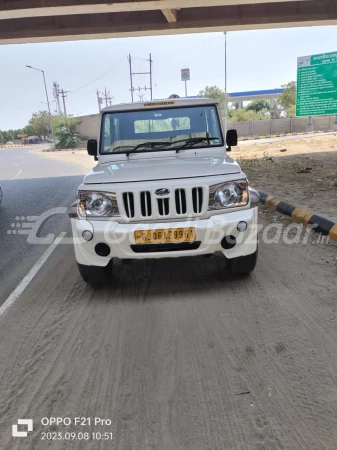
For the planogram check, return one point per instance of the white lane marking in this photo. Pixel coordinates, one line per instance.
(30, 275)
(19, 173)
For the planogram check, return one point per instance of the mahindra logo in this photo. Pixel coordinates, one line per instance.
(162, 191)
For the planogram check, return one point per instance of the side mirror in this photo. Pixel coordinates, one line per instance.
(231, 139)
(92, 148)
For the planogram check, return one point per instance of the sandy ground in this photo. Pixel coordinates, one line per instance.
(178, 354)
(275, 168)
(302, 171)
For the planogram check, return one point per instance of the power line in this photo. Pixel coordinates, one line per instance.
(100, 76)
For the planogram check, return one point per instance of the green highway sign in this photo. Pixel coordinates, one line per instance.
(317, 85)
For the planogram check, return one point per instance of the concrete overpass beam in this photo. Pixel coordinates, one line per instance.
(153, 22)
(16, 9)
(171, 15)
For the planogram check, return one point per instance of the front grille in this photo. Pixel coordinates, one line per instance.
(182, 202)
(197, 199)
(156, 248)
(163, 206)
(145, 204)
(129, 204)
(180, 198)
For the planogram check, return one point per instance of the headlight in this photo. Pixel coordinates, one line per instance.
(97, 204)
(228, 195)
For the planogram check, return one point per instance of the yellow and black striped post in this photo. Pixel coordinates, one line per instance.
(318, 223)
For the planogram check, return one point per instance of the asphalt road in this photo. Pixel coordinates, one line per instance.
(31, 185)
(176, 355)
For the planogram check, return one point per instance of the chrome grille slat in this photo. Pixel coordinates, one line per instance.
(180, 198)
(145, 204)
(197, 198)
(129, 204)
(163, 206)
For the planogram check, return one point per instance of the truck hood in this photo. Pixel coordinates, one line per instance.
(160, 169)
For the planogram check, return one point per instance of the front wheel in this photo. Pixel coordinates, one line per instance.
(242, 265)
(96, 276)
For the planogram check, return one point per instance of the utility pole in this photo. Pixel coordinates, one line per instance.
(64, 95)
(56, 93)
(131, 81)
(110, 100)
(132, 74)
(151, 74)
(99, 100)
(106, 96)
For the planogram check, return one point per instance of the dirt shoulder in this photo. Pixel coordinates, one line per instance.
(302, 171)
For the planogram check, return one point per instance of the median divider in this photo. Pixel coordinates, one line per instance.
(318, 223)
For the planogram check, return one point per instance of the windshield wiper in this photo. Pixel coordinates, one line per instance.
(149, 144)
(192, 141)
(121, 147)
(187, 144)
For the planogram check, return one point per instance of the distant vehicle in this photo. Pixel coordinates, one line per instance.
(164, 187)
(35, 141)
(9, 143)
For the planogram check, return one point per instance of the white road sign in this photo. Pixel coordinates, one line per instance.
(185, 74)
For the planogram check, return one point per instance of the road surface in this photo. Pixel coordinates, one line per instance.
(176, 354)
(31, 185)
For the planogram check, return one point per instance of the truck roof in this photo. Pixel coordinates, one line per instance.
(166, 102)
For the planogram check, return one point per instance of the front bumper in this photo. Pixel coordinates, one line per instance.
(209, 233)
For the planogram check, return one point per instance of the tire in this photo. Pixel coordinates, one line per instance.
(242, 265)
(96, 276)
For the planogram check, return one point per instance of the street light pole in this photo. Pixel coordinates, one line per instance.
(225, 124)
(50, 116)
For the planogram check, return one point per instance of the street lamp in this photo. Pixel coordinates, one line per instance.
(226, 112)
(50, 116)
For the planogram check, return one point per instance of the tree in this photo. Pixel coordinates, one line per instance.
(65, 131)
(258, 105)
(287, 100)
(39, 125)
(242, 115)
(216, 93)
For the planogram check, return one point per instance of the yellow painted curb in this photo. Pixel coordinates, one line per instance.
(302, 215)
(333, 233)
(272, 202)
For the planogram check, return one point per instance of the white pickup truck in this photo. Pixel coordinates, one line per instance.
(164, 187)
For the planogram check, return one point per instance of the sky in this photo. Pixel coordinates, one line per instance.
(261, 59)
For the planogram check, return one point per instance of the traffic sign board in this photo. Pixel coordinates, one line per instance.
(316, 85)
(185, 74)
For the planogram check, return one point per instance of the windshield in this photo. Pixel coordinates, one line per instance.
(160, 129)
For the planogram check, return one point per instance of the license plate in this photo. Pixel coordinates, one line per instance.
(173, 235)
